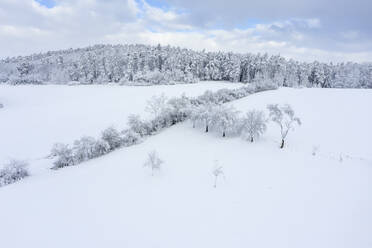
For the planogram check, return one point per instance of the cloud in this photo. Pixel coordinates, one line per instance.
(28, 26)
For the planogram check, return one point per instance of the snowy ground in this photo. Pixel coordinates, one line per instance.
(35, 117)
(269, 197)
(337, 121)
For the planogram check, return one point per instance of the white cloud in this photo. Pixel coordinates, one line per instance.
(27, 27)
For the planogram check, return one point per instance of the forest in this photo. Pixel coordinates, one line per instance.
(149, 65)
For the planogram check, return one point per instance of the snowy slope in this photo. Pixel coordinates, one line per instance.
(269, 197)
(334, 120)
(35, 117)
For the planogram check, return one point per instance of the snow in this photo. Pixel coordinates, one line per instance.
(268, 198)
(35, 117)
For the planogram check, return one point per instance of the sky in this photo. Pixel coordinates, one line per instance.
(305, 30)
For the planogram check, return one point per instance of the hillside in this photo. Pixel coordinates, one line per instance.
(268, 198)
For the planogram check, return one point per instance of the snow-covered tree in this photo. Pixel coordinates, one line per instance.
(84, 149)
(137, 125)
(130, 137)
(195, 115)
(153, 162)
(156, 105)
(253, 125)
(204, 114)
(112, 137)
(101, 147)
(285, 117)
(180, 107)
(225, 118)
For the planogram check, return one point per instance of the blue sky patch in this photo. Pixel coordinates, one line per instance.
(47, 3)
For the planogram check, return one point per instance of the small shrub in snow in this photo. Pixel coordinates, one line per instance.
(129, 137)
(253, 125)
(156, 105)
(137, 125)
(84, 149)
(158, 123)
(217, 171)
(13, 171)
(153, 162)
(64, 154)
(285, 117)
(112, 137)
(101, 147)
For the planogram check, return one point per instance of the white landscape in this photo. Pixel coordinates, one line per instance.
(184, 124)
(297, 198)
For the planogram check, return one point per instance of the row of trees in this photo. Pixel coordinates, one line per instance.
(251, 126)
(164, 64)
(165, 114)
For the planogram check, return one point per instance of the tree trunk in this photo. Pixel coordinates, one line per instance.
(252, 139)
(193, 125)
(206, 128)
(282, 145)
(223, 134)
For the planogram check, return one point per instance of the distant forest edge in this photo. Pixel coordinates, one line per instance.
(144, 64)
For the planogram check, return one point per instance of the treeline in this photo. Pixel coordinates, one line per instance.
(143, 64)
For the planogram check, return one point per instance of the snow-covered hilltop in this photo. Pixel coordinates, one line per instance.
(164, 64)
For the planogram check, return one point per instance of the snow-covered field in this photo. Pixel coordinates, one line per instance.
(268, 198)
(35, 117)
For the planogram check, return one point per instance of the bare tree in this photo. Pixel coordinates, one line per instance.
(217, 171)
(285, 117)
(153, 161)
(253, 125)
